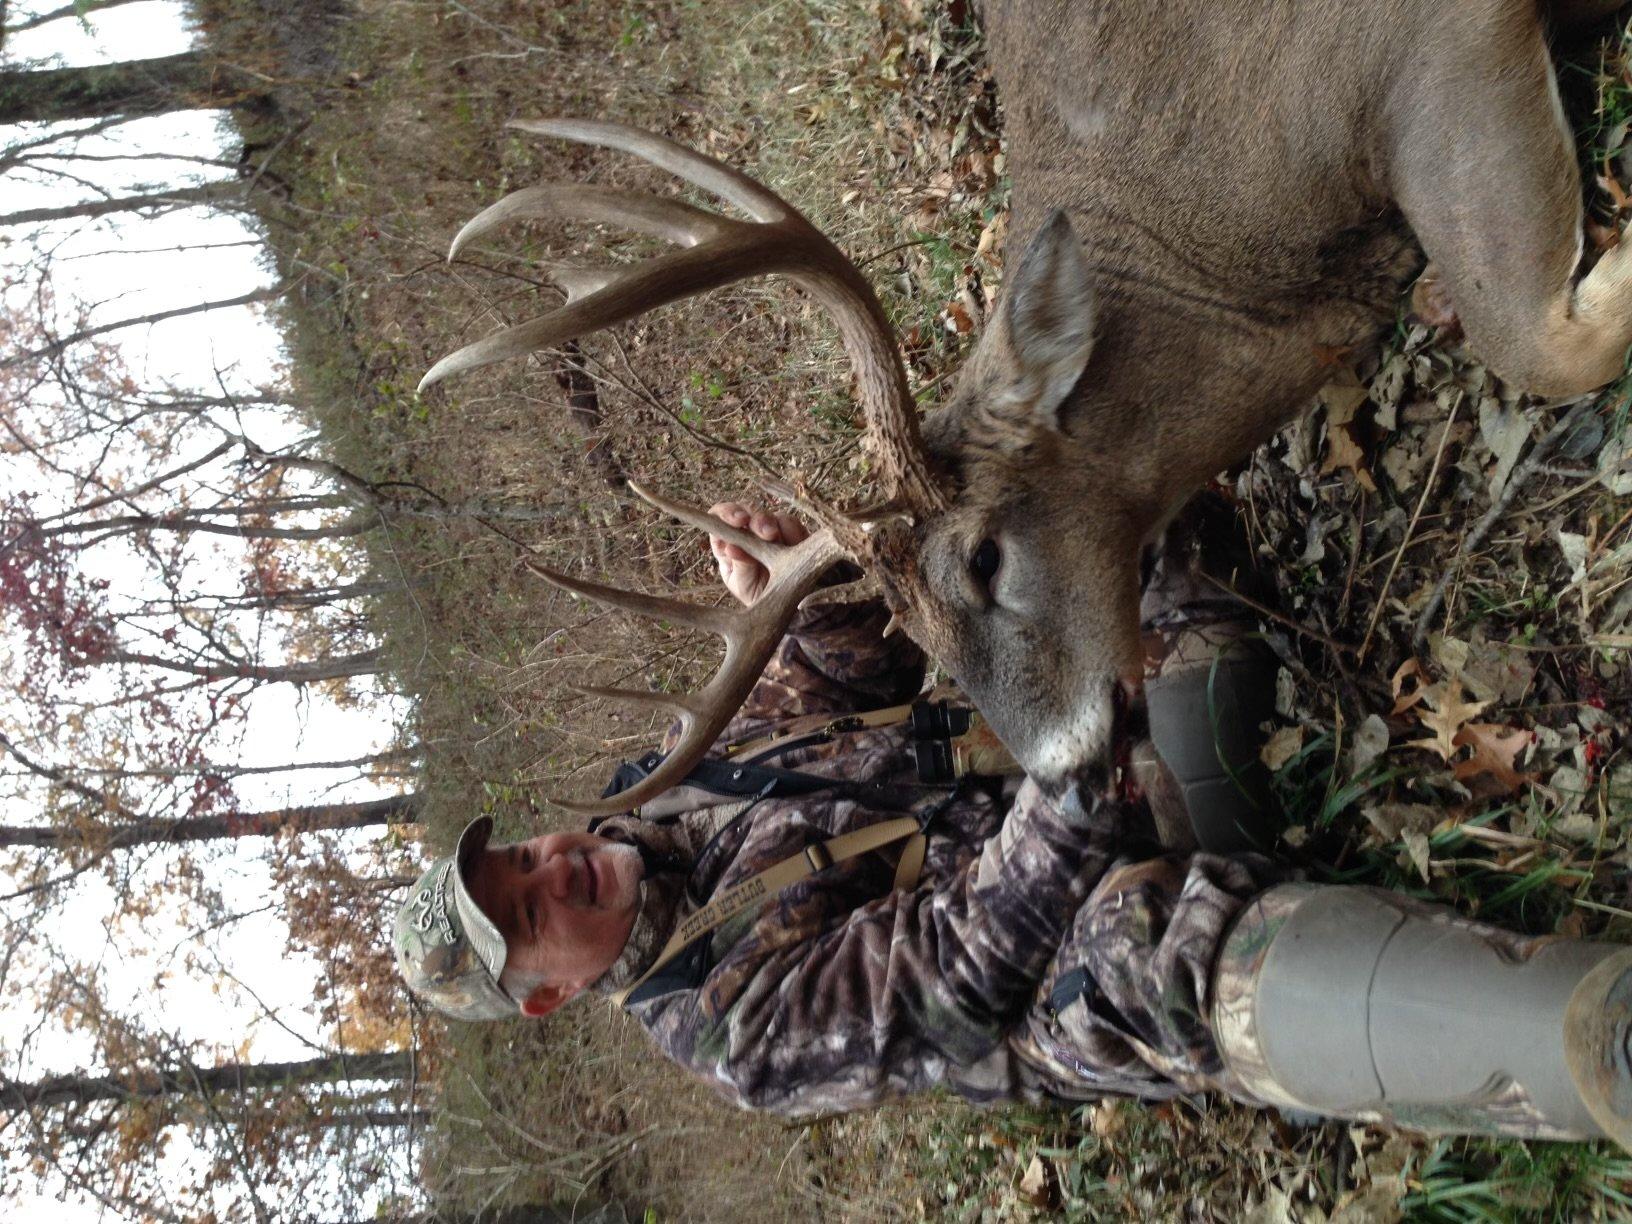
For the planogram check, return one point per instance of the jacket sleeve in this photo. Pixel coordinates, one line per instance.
(815, 1009)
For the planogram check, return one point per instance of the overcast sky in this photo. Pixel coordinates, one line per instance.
(101, 265)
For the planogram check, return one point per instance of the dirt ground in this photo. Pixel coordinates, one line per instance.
(1487, 767)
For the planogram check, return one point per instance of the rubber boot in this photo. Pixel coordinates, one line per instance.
(1207, 704)
(1363, 1004)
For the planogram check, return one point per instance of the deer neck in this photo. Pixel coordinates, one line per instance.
(1187, 378)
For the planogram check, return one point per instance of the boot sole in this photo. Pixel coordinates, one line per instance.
(1598, 1044)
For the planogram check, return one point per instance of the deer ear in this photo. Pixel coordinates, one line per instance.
(1048, 322)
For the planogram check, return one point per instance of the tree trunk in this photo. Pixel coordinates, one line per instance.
(81, 9)
(215, 194)
(268, 294)
(397, 809)
(205, 1081)
(364, 663)
(186, 81)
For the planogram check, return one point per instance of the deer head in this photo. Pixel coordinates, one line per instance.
(1029, 604)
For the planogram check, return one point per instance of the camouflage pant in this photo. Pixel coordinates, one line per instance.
(1124, 1007)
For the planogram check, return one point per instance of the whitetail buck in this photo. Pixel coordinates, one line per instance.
(1213, 197)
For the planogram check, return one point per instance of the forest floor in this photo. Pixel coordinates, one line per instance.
(1489, 768)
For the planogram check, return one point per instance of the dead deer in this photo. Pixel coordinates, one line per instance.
(1212, 198)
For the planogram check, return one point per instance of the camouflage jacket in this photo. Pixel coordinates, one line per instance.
(841, 992)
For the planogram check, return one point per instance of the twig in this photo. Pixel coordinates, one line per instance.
(1427, 488)
(1271, 614)
(1354, 556)
(1544, 446)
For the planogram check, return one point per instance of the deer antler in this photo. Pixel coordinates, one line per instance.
(715, 251)
(750, 634)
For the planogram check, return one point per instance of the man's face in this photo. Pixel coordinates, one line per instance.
(565, 904)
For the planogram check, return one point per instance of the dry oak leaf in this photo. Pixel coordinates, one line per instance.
(1342, 451)
(1404, 701)
(1495, 749)
(1446, 717)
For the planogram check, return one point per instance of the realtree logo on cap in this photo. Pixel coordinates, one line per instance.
(432, 906)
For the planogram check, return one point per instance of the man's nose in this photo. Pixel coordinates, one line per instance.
(557, 873)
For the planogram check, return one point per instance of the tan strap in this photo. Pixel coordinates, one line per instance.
(828, 723)
(976, 751)
(911, 863)
(815, 857)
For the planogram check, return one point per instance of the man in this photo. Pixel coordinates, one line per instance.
(1042, 951)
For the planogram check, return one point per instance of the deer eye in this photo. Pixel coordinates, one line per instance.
(983, 565)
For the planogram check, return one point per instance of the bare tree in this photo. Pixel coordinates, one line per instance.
(186, 81)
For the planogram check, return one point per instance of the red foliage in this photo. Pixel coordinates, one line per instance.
(62, 613)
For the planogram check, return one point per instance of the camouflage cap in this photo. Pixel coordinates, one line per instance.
(449, 952)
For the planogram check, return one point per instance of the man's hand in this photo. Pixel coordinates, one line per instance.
(743, 576)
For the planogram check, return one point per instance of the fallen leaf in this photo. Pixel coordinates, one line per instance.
(1374, 1204)
(1431, 301)
(1343, 452)
(1495, 750)
(1392, 820)
(1505, 430)
(1275, 1209)
(1497, 672)
(1615, 466)
(1576, 827)
(1445, 717)
(1574, 547)
(1416, 846)
(1449, 652)
(1405, 671)
(1403, 462)
(1281, 747)
(1343, 398)
(1105, 1119)
(1034, 1184)
(1370, 742)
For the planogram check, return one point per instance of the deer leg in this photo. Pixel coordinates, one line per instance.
(1484, 169)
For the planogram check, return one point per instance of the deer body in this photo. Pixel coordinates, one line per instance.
(1223, 166)
(1217, 201)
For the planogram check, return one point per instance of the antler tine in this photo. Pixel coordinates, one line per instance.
(763, 551)
(668, 278)
(721, 621)
(668, 703)
(716, 178)
(672, 220)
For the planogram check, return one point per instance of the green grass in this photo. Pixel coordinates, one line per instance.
(1480, 1182)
